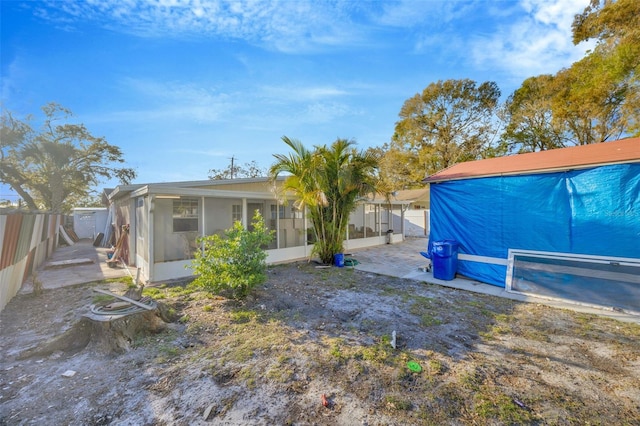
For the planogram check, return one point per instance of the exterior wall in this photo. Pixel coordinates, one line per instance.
(364, 242)
(180, 269)
(27, 241)
(289, 223)
(288, 254)
(88, 223)
(171, 270)
(416, 223)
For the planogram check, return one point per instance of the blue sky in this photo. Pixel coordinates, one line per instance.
(182, 86)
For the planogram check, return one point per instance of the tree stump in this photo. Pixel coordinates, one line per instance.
(109, 333)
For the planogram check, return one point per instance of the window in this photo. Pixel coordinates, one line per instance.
(277, 211)
(236, 213)
(296, 213)
(185, 215)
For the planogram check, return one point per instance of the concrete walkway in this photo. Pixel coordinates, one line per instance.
(76, 264)
(401, 260)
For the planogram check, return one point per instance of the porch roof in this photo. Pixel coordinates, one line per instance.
(173, 191)
(202, 189)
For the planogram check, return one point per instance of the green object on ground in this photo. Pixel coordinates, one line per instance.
(414, 366)
(350, 262)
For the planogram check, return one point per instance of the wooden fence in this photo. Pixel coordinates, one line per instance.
(27, 241)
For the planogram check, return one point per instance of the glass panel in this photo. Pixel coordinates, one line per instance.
(185, 215)
(613, 284)
(372, 212)
(218, 214)
(291, 232)
(251, 210)
(356, 228)
(386, 218)
(169, 215)
(236, 213)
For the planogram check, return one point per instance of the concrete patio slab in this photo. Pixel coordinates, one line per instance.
(76, 264)
(403, 260)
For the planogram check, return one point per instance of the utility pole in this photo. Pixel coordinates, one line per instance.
(232, 169)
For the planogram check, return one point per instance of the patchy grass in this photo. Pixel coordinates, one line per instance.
(311, 332)
(262, 347)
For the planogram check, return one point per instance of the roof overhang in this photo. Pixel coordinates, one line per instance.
(165, 191)
(625, 151)
(463, 176)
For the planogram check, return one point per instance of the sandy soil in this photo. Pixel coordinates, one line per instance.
(314, 346)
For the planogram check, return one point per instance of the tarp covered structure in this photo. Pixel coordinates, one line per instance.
(583, 200)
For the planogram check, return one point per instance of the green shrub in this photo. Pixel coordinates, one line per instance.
(236, 263)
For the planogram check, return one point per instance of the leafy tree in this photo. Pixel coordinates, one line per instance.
(235, 263)
(233, 171)
(90, 200)
(614, 23)
(58, 163)
(605, 84)
(396, 169)
(328, 181)
(449, 122)
(596, 99)
(591, 104)
(529, 114)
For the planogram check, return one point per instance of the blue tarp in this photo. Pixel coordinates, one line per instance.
(590, 211)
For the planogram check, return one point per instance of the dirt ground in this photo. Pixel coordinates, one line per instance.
(315, 347)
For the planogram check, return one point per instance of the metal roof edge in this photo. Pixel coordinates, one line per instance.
(198, 192)
(529, 172)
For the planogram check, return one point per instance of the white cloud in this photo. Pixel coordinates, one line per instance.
(538, 43)
(409, 13)
(302, 93)
(288, 26)
(169, 101)
(325, 112)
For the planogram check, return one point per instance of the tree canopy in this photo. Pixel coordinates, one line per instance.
(61, 162)
(594, 100)
(235, 171)
(449, 122)
(528, 113)
(328, 181)
(611, 72)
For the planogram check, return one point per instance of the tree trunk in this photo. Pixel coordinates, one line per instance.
(108, 334)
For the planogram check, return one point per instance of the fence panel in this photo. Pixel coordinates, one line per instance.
(27, 241)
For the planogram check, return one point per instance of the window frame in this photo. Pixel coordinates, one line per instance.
(185, 214)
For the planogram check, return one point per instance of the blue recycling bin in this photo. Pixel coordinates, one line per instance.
(444, 256)
(338, 260)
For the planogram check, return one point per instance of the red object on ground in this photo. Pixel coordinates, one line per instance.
(325, 402)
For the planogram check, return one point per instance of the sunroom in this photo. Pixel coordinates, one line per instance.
(164, 222)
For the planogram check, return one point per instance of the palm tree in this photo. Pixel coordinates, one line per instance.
(328, 181)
